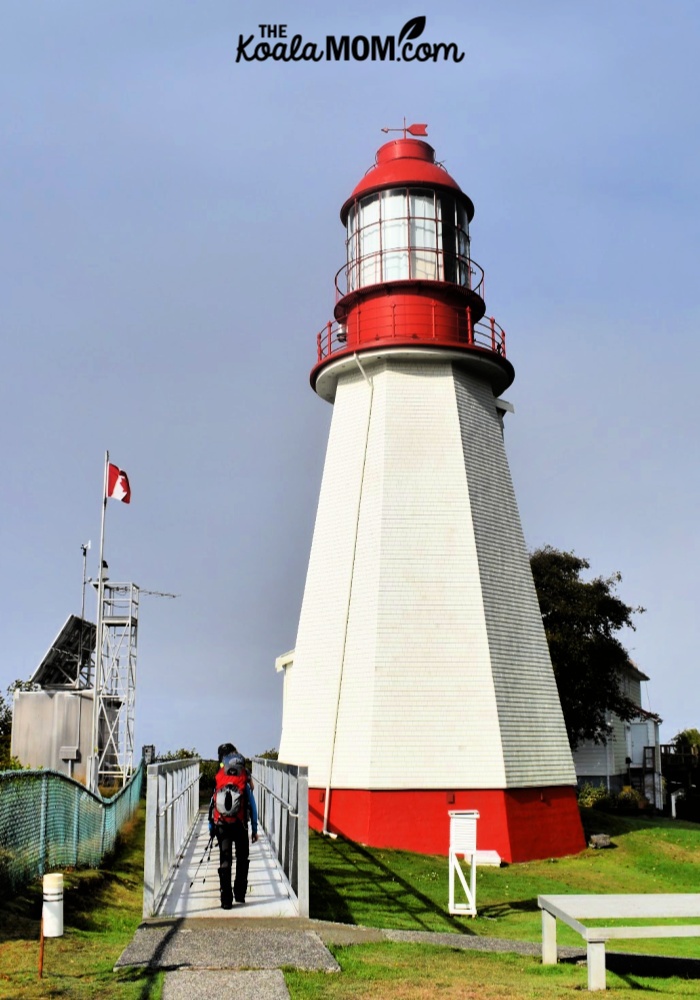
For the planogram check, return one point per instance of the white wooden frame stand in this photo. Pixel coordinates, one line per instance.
(463, 842)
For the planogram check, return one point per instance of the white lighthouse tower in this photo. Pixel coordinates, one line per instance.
(421, 680)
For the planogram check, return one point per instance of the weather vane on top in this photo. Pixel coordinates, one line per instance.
(416, 129)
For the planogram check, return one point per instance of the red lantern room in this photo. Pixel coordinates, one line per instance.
(409, 281)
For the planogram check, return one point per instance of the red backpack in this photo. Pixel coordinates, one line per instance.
(229, 790)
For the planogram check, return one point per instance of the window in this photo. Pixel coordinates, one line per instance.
(403, 234)
(368, 241)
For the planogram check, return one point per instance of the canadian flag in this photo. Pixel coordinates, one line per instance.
(118, 484)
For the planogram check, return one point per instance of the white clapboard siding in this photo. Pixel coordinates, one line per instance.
(420, 637)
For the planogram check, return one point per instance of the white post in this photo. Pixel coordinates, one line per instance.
(472, 881)
(151, 842)
(303, 841)
(596, 965)
(52, 910)
(549, 938)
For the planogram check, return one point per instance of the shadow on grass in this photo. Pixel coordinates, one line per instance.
(351, 884)
(619, 823)
(325, 900)
(628, 967)
(509, 906)
(20, 912)
(631, 967)
(148, 979)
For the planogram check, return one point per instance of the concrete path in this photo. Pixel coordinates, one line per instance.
(226, 944)
(248, 944)
(272, 943)
(194, 889)
(241, 985)
(242, 958)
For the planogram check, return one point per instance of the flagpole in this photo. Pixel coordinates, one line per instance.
(98, 638)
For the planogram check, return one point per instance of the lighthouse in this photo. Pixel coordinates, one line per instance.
(421, 681)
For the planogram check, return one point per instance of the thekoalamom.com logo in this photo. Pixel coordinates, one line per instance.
(273, 43)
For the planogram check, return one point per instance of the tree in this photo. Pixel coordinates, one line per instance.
(581, 620)
(687, 741)
(182, 754)
(8, 763)
(5, 732)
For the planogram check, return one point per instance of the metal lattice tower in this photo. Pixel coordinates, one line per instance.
(115, 688)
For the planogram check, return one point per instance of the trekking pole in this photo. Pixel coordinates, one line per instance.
(206, 869)
(207, 848)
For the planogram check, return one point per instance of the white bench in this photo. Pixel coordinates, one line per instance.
(653, 906)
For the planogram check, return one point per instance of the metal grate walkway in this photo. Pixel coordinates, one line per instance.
(269, 893)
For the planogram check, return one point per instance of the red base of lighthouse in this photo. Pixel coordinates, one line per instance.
(522, 824)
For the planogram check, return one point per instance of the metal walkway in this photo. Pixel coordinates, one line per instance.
(175, 884)
(268, 895)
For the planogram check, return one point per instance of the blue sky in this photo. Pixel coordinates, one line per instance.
(170, 234)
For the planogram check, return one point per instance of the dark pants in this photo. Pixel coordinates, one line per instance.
(228, 834)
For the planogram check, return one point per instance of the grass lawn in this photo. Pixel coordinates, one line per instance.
(102, 909)
(382, 888)
(411, 972)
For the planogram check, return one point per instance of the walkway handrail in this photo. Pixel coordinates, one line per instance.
(282, 795)
(172, 805)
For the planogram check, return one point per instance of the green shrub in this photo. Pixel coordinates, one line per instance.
(595, 797)
(207, 773)
(630, 800)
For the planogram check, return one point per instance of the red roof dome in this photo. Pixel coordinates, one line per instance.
(402, 162)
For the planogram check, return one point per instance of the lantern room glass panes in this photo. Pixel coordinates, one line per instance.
(394, 232)
(424, 229)
(464, 271)
(407, 234)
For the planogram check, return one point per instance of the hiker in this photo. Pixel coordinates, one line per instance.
(230, 804)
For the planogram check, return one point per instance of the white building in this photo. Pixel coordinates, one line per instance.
(631, 755)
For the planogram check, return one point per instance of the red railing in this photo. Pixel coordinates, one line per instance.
(409, 264)
(486, 335)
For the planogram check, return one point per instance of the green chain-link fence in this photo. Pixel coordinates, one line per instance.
(49, 821)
